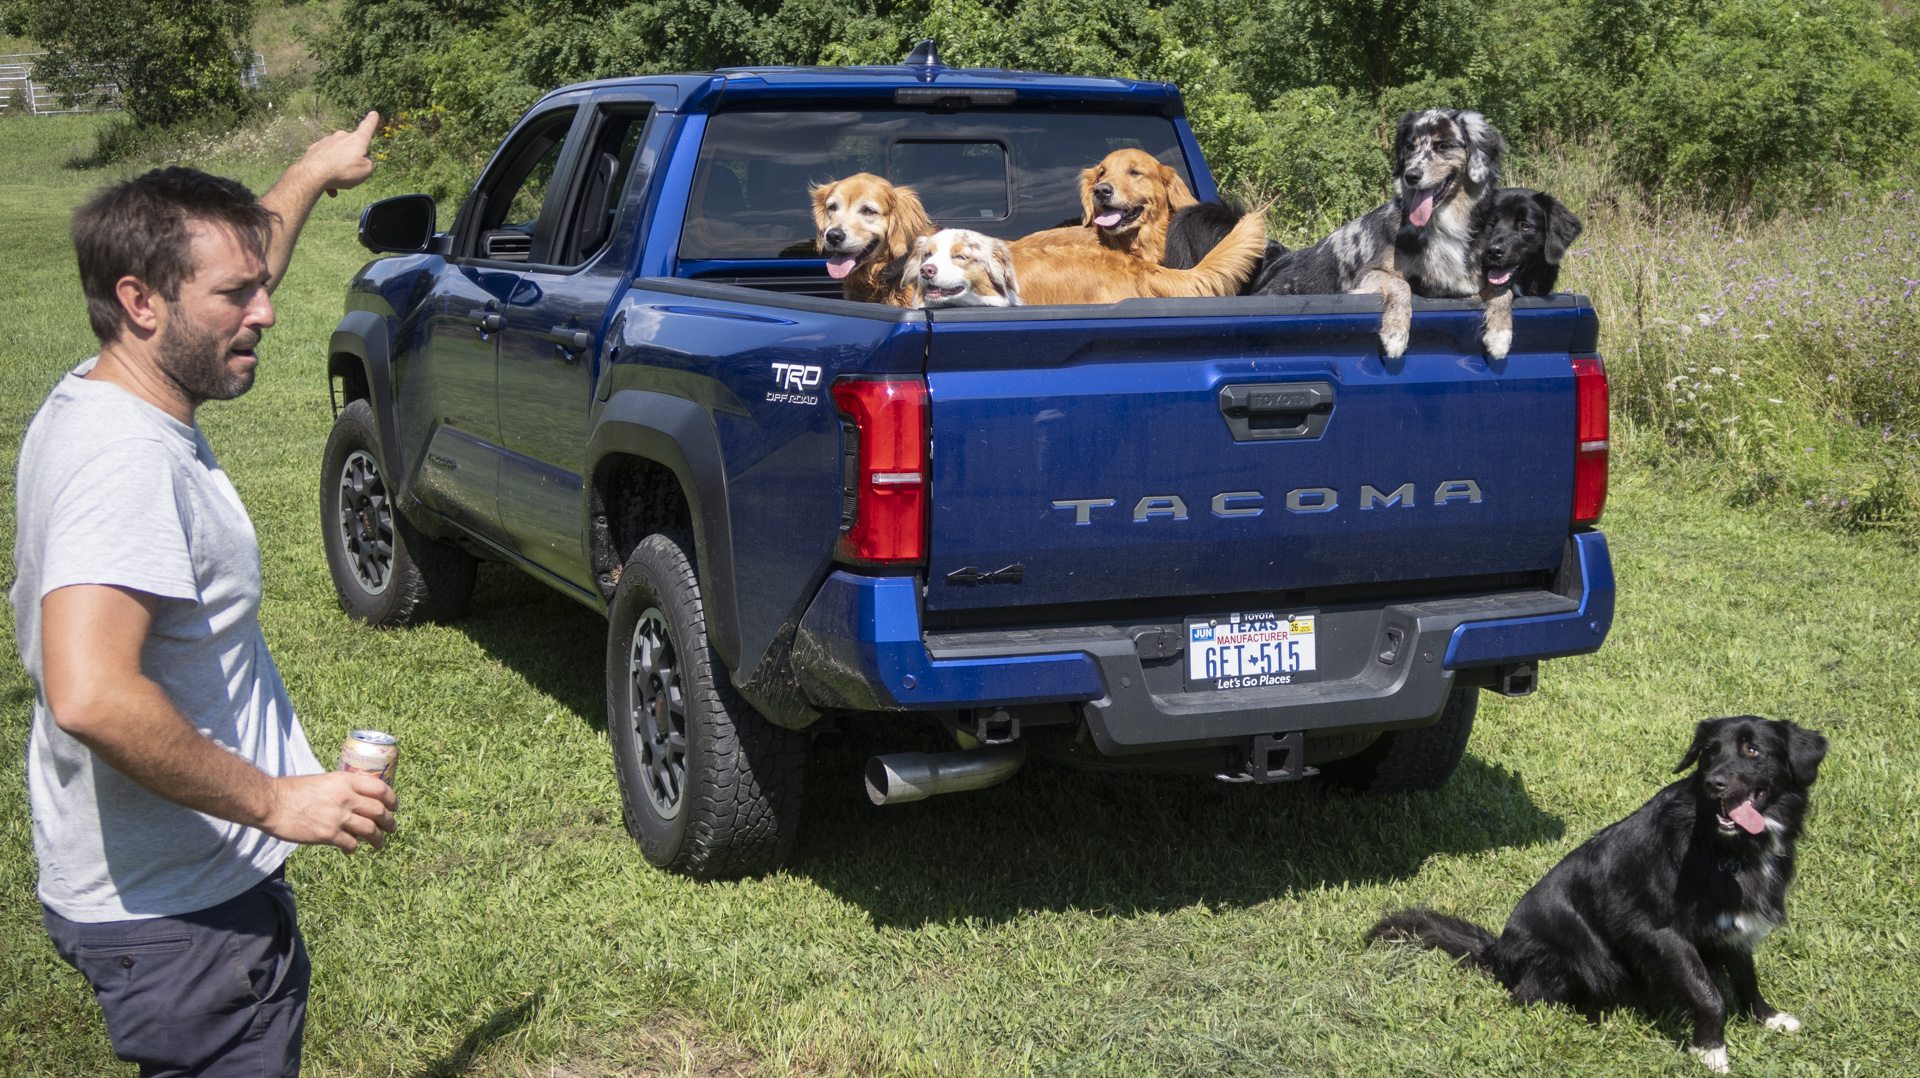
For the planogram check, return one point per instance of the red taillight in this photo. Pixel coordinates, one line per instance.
(884, 517)
(1590, 425)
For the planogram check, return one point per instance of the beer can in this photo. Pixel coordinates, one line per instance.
(370, 752)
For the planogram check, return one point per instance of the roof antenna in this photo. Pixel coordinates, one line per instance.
(924, 54)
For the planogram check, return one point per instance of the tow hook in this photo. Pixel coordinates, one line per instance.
(1273, 758)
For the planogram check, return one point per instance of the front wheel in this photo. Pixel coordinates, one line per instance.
(1423, 758)
(385, 571)
(709, 787)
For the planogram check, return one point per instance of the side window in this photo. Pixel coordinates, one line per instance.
(605, 174)
(514, 194)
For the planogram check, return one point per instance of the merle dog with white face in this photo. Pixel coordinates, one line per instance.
(1650, 909)
(1445, 161)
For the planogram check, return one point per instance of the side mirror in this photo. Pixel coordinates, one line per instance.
(402, 225)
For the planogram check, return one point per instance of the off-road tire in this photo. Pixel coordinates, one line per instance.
(729, 806)
(1422, 758)
(385, 571)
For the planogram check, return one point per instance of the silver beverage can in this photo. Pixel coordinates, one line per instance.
(370, 752)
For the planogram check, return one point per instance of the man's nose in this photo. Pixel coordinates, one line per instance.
(260, 312)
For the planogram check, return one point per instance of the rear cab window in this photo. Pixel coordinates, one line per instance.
(1007, 174)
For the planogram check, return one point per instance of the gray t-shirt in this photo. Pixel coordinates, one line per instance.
(112, 490)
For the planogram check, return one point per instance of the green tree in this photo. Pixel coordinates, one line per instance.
(170, 60)
(1776, 99)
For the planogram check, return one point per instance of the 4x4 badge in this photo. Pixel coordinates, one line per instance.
(970, 576)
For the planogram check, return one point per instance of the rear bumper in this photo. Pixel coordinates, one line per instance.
(860, 646)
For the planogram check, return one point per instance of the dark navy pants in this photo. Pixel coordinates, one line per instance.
(218, 992)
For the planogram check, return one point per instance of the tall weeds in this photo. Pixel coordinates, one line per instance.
(1781, 352)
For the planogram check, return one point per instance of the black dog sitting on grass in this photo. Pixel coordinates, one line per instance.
(1646, 911)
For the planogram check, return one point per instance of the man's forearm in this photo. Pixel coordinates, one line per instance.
(150, 742)
(291, 200)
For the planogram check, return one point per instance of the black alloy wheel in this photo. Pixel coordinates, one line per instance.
(366, 522)
(709, 788)
(657, 710)
(385, 571)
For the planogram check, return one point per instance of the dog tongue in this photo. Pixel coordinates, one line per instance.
(839, 266)
(1108, 219)
(1421, 212)
(1499, 278)
(1747, 818)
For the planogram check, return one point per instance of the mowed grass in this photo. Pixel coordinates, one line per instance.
(1061, 924)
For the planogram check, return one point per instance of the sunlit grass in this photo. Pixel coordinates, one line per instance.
(1062, 924)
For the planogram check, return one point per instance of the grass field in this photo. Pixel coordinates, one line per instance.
(1061, 924)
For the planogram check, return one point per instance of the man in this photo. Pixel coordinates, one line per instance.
(168, 776)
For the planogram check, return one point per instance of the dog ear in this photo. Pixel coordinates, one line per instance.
(1179, 197)
(1562, 227)
(1805, 749)
(820, 192)
(1486, 146)
(1000, 267)
(1088, 177)
(1702, 733)
(908, 221)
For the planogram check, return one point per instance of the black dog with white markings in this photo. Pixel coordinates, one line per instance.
(1648, 910)
(1519, 237)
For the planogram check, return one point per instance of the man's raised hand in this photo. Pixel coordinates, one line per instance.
(339, 161)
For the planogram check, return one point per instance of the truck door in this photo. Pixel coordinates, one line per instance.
(453, 391)
(550, 346)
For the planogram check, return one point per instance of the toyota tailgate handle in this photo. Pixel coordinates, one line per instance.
(1276, 411)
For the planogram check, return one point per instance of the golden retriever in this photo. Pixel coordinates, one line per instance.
(1127, 200)
(1056, 272)
(866, 226)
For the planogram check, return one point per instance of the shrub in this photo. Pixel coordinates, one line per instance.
(1775, 100)
(171, 60)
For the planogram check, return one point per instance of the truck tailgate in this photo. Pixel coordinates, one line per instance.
(1165, 448)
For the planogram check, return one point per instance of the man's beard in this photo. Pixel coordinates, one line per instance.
(196, 361)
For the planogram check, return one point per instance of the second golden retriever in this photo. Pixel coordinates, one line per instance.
(866, 226)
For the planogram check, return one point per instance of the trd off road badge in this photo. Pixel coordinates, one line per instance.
(791, 381)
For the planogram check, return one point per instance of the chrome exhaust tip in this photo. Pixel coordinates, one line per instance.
(915, 776)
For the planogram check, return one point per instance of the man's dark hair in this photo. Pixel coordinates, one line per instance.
(139, 229)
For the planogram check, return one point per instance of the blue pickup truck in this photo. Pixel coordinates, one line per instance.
(1219, 536)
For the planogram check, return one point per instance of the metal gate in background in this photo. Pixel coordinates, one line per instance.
(18, 90)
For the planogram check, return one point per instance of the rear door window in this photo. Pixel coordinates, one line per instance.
(1003, 173)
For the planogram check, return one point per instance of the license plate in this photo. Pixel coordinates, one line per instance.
(1258, 649)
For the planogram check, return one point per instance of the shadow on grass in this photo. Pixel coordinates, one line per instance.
(555, 643)
(1053, 837)
(475, 1044)
(1058, 838)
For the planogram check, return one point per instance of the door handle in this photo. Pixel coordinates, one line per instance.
(571, 342)
(1277, 411)
(486, 321)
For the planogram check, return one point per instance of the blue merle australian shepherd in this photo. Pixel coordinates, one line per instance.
(1445, 162)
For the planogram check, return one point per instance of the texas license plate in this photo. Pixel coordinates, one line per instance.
(1251, 650)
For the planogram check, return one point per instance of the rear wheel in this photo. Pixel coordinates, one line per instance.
(1418, 759)
(385, 571)
(709, 787)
